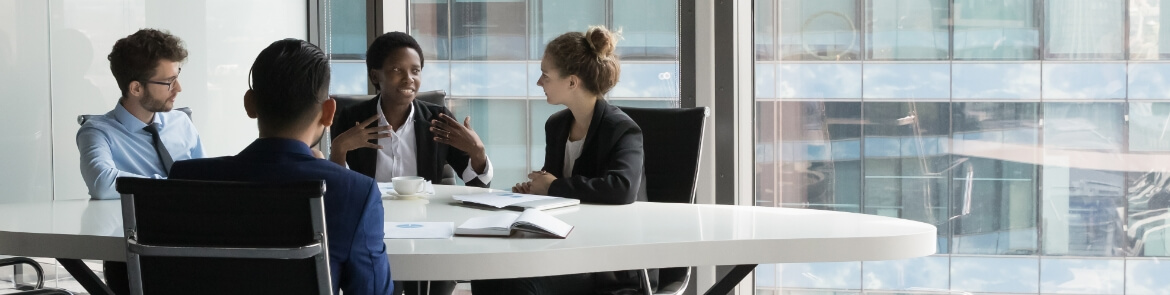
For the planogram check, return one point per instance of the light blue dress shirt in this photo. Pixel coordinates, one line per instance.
(114, 145)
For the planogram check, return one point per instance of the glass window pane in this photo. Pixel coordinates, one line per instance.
(436, 75)
(1148, 38)
(1149, 201)
(819, 30)
(488, 30)
(646, 80)
(27, 49)
(918, 274)
(825, 81)
(817, 166)
(995, 81)
(908, 29)
(649, 29)
(826, 275)
(489, 79)
(1149, 81)
(765, 30)
(996, 30)
(1146, 276)
(430, 27)
(551, 18)
(907, 162)
(1082, 209)
(348, 78)
(907, 81)
(346, 29)
(995, 274)
(496, 122)
(1084, 81)
(766, 81)
(1084, 30)
(1095, 125)
(1081, 276)
(995, 188)
(1149, 126)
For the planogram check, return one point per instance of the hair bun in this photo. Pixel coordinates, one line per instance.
(601, 40)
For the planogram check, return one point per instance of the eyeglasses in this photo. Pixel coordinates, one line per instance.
(169, 83)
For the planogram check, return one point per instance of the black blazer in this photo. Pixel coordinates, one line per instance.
(431, 155)
(609, 170)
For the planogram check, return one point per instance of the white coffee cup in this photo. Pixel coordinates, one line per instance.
(408, 185)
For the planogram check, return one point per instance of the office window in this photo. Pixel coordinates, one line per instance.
(486, 54)
(907, 29)
(820, 30)
(996, 30)
(1084, 30)
(343, 25)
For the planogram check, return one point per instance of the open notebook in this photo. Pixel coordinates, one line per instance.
(502, 224)
(515, 201)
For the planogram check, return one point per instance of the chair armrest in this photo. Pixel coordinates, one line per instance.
(24, 260)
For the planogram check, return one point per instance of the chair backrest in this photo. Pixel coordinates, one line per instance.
(82, 118)
(344, 101)
(214, 237)
(672, 139)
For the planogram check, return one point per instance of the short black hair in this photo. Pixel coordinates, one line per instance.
(134, 58)
(387, 43)
(286, 83)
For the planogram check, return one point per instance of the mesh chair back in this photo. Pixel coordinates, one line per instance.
(672, 139)
(211, 237)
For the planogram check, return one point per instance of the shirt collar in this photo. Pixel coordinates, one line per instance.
(130, 121)
(269, 145)
(382, 116)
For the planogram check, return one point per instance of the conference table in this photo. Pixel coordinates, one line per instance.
(604, 238)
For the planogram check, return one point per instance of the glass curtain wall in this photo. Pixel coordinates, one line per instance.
(486, 55)
(1033, 134)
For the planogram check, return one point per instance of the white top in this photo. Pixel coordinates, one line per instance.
(572, 152)
(604, 238)
(399, 153)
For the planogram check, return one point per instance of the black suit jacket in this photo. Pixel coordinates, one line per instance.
(609, 170)
(431, 155)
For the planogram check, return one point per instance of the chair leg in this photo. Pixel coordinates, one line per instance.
(645, 281)
(85, 276)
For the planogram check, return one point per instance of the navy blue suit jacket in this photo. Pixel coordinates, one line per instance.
(353, 205)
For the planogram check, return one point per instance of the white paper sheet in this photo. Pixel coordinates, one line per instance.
(499, 200)
(419, 230)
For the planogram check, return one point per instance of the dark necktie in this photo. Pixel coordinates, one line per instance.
(163, 156)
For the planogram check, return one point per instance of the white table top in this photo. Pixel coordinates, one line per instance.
(606, 237)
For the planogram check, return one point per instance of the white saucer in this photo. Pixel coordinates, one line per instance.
(394, 195)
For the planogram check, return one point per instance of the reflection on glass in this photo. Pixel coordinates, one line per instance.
(994, 190)
(489, 79)
(819, 30)
(1149, 127)
(1084, 29)
(907, 81)
(819, 163)
(551, 18)
(908, 29)
(488, 30)
(995, 274)
(1081, 276)
(1082, 209)
(496, 122)
(1148, 232)
(1149, 80)
(766, 276)
(430, 27)
(346, 29)
(649, 29)
(995, 81)
(765, 30)
(907, 162)
(765, 81)
(834, 275)
(348, 78)
(1147, 30)
(825, 81)
(1146, 276)
(996, 30)
(436, 75)
(1084, 81)
(646, 80)
(1095, 126)
(920, 274)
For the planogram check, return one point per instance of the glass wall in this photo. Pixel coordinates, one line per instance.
(1032, 133)
(486, 56)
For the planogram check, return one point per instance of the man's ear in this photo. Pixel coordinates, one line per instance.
(135, 89)
(328, 108)
(250, 103)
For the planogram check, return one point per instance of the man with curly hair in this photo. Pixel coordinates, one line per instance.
(141, 136)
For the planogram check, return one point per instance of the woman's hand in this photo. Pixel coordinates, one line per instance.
(540, 180)
(357, 137)
(462, 137)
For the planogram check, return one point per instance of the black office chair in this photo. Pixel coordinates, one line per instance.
(437, 97)
(81, 119)
(672, 140)
(39, 288)
(214, 237)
